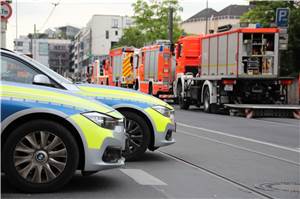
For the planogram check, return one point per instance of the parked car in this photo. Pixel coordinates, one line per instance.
(47, 134)
(150, 122)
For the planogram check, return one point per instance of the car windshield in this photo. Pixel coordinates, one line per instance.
(47, 70)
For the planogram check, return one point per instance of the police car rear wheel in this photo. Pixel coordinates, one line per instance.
(41, 156)
(138, 136)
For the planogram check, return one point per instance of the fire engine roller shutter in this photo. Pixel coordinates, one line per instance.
(232, 53)
(155, 64)
(222, 54)
(205, 61)
(213, 56)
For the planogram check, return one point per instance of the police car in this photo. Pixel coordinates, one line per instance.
(150, 122)
(47, 134)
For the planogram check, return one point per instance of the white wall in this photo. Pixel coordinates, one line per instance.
(99, 24)
(198, 27)
(40, 51)
(25, 48)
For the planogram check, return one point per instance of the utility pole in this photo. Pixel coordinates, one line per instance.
(16, 19)
(34, 42)
(206, 20)
(170, 27)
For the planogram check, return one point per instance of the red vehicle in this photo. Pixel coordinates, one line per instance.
(121, 64)
(187, 53)
(155, 69)
(101, 72)
(239, 66)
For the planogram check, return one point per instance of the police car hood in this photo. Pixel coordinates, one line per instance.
(123, 94)
(47, 95)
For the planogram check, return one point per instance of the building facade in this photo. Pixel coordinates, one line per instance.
(53, 53)
(59, 55)
(95, 40)
(208, 20)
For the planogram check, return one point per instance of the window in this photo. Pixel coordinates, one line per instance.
(43, 48)
(115, 23)
(106, 34)
(116, 33)
(19, 43)
(15, 71)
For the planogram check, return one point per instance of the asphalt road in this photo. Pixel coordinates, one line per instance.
(216, 156)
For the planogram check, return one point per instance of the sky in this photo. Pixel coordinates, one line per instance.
(78, 13)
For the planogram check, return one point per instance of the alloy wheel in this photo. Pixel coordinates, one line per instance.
(134, 136)
(40, 157)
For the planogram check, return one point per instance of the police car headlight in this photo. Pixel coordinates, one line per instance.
(106, 121)
(164, 111)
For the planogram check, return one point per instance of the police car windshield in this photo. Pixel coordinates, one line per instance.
(47, 70)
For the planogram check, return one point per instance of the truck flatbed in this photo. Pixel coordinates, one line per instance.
(262, 110)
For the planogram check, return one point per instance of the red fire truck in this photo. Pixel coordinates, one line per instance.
(100, 73)
(235, 67)
(155, 69)
(121, 64)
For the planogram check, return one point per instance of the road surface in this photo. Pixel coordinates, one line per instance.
(216, 156)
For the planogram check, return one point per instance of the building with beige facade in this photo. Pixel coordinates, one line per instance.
(212, 19)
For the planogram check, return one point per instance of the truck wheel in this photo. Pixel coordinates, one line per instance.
(136, 85)
(206, 100)
(40, 156)
(150, 89)
(182, 104)
(208, 107)
(138, 136)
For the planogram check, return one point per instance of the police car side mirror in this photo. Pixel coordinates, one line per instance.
(41, 79)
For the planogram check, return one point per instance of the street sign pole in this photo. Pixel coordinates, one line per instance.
(6, 12)
(282, 22)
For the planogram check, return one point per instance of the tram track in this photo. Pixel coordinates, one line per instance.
(218, 175)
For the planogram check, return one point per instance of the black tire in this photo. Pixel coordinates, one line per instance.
(132, 151)
(150, 89)
(182, 104)
(206, 100)
(208, 107)
(136, 85)
(47, 183)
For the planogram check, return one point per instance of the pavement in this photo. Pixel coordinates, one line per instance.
(216, 156)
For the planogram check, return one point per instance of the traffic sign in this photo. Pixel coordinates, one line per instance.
(282, 17)
(6, 10)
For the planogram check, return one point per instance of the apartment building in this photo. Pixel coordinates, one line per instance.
(95, 40)
(208, 20)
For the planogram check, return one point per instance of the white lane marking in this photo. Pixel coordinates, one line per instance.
(142, 177)
(239, 137)
(239, 147)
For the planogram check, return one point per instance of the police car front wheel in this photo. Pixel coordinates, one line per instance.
(138, 136)
(40, 156)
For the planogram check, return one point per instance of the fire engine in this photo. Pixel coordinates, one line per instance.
(121, 64)
(238, 66)
(155, 74)
(100, 72)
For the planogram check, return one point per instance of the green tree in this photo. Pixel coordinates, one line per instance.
(264, 12)
(151, 22)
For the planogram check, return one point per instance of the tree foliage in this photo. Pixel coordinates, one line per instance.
(151, 22)
(264, 12)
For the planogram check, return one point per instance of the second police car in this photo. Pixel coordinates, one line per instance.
(150, 122)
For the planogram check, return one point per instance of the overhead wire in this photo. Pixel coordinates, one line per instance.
(49, 16)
